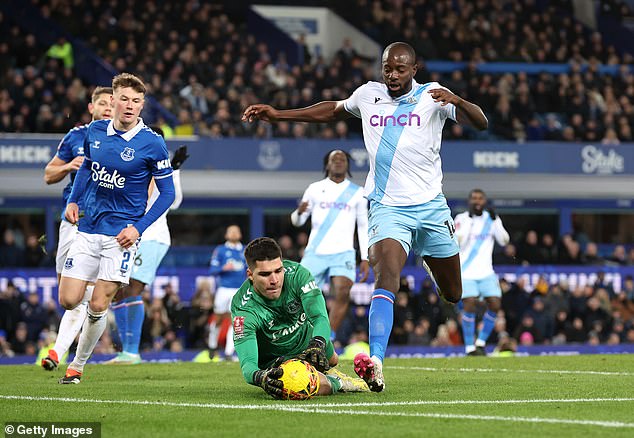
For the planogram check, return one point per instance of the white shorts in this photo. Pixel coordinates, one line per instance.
(93, 257)
(67, 233)
(222, 300)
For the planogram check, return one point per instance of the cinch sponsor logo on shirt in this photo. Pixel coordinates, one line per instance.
(408, 119)
(335, 205)
(290, 330)
(106, 179)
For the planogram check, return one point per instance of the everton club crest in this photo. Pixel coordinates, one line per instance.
(127, 154)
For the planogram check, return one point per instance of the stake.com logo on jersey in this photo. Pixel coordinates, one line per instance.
(106, 179)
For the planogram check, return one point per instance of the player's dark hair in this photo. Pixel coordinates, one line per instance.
(262, 249)
(127, 80)
(327, 157)
(99, 91)
(477, 191)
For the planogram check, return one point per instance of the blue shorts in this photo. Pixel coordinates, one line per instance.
(324, 266)
(427, 228)
(485, 287)
(147, 260)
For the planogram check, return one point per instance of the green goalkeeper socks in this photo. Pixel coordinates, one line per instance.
(335, 384)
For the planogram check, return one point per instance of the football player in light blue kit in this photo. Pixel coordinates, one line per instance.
(127, 305)
(67, 160)
(476, 231)
(229, 267)
(121, 157)
(402, 130)
(335, 205)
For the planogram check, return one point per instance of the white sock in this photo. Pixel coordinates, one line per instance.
(480, 343)
(69, 326)
(229, 348)
(93, 328)
(213, 336)
(469, 348)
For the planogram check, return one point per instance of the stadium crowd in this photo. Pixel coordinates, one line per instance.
(204, 67)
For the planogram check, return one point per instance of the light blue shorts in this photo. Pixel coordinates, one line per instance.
(485, 287)
(427, 228)
(324, 266)
(147, 260)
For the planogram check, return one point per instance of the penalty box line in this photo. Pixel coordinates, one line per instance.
(332, 409)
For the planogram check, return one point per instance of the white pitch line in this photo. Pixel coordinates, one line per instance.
(507, 370)
(328, 409)
(470, 402)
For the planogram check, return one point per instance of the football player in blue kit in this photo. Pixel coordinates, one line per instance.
(122, 155)
(67, 160)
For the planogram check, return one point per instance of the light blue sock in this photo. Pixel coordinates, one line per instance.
(487, 327)
(136, 315)
(120, 311)
(468, 328)
(381, 321)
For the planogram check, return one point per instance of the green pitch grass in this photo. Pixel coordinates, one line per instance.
(575, 396)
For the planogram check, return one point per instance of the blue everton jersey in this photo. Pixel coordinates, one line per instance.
(121, 167)
(233, 254)
(71, 146)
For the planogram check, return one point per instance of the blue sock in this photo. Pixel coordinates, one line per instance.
(381, 321)
(487, 327)
(468, 328)
(136, 315)
(120, 311)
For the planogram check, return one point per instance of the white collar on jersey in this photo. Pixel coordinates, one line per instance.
(409, 93)
(128, 135)
(237, 246)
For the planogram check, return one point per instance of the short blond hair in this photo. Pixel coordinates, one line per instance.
(127, 80)
(99, 91)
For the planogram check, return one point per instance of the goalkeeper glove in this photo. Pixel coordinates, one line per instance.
(315, 354)
(269, 381)
(179, 157)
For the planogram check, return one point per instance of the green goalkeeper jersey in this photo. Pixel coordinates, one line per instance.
(264, 329)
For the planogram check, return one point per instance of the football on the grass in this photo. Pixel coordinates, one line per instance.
(301, 380)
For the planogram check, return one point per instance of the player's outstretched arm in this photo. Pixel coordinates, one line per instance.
(57, 169)
(327, 111)
(467, 113)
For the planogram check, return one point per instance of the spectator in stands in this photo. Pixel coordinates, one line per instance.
(508, 256)
(529, 251)
(527, 325)
(618, 255)
(591, 255)
(33, 314)
(11, 255)
(515, 300)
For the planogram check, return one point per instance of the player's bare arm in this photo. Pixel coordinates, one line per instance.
(467, 113)
(327, 111)
(364, 270)
(57, 169)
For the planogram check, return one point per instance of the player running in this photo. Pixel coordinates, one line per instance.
(67, 160)
(402, 130)
(121, 157)
(335, 205)
(228, 266)
(476, 230)
(280, 312)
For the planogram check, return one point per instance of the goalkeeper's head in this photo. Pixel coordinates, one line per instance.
(265, 270)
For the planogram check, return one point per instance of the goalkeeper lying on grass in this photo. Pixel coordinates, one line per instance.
(280, 312)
